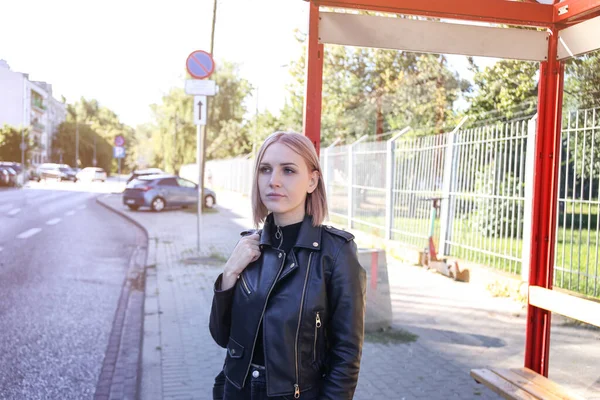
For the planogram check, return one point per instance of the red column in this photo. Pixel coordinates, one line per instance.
(545, 194)
(314, 80)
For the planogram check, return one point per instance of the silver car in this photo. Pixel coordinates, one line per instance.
(161, 191)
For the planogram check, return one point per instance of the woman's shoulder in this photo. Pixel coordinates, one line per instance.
(340, 233)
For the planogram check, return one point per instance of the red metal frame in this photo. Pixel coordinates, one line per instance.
(545, 191)
(499, 11)
(314, 80)
(578, 10)
(549, 118)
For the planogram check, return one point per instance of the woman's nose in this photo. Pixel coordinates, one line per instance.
(275, 181)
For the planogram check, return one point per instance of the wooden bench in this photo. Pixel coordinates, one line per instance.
(523, 383)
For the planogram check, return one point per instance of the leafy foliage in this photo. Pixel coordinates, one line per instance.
(582, 81)
(173, 134)
(10, 142)
(98, 126)
(372, 91)
(505, 90)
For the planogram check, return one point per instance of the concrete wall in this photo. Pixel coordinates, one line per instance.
(11, 98)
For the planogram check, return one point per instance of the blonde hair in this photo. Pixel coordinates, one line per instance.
(316, 202)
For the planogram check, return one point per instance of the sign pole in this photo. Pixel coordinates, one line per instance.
(200, 65)
(200, 130)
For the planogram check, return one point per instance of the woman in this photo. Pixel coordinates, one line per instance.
(290, 303)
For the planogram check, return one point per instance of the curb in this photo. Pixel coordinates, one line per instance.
(149, 366)
(121, 373)
(121, 213)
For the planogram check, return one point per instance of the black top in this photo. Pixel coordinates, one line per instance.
(285, 242)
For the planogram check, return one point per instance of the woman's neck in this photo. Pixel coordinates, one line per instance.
(284, 220)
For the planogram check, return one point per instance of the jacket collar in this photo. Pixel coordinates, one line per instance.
(309, 236)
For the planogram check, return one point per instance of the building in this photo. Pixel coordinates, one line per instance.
(29, 104)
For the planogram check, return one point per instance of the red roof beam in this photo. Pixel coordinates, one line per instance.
(492, 11)
(569, 11)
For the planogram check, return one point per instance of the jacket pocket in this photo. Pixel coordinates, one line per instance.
(245, 285)
(234, 349)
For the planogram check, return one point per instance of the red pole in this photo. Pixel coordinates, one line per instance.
(314, 80)
(545, 194)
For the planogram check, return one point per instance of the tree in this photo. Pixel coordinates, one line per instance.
(63, 143)
(173, 132)
(582, 81)
(505, 90)
(90, 116)
(371, 91)
(227, 135)
(10, 144)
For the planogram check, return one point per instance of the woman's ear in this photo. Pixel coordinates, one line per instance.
(314, 181)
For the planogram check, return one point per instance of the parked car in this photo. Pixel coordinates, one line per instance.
(161, 191)
(9, 176)
(14, 165)
(70, 173)
(60, 172)
(4, 178)
(143, 172)
(91, 174)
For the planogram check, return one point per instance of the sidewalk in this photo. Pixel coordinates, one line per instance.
(458, 326)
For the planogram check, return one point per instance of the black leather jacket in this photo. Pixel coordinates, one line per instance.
(313, 306)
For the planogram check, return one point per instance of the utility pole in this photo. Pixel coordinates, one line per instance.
(203, 131)
(174, 160)
(255, 126)
(23, 146)
(76, 142)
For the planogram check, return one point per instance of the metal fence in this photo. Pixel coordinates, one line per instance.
(233, 174)
(481, 174)
(578, 225)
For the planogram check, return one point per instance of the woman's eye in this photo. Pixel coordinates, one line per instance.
(265, 170)
(289, 171)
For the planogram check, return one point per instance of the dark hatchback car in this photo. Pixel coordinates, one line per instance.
(8, 176)
(14, 165)
(161, 191)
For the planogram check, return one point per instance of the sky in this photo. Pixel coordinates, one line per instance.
(127, 54)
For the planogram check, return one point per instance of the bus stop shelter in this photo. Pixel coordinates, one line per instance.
(548, 32)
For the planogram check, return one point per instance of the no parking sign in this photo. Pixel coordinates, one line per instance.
(200, 64)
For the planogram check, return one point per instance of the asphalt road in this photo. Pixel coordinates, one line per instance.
(63, 260)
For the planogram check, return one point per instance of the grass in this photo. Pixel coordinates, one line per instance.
(215, 257)
(194, 210)
(216, 254)
(577, 262)
(390, 336)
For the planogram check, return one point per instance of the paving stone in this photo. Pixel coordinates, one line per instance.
(184, 360)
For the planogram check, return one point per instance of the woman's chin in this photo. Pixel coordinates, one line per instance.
(277, 210)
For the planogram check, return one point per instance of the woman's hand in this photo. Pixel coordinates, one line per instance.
(246, 251)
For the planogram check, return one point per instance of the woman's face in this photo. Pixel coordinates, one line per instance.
(283, 182)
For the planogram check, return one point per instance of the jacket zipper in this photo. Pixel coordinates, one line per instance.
(246, 288)
(296, 385)
(263, 314)
(317, 326)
